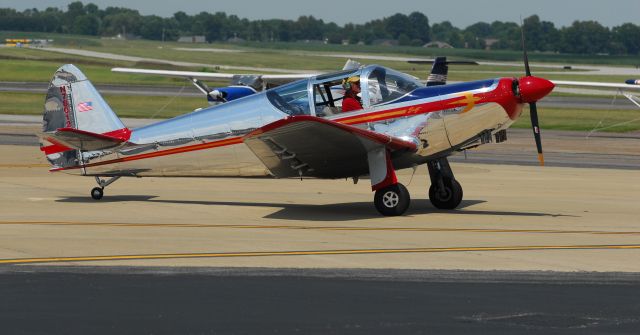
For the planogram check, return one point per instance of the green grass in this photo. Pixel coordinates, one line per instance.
(38, 65)
(582, 120)
(93, 42)
(35, 65)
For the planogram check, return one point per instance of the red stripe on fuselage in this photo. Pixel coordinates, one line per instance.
(229, 141)
(501, 95)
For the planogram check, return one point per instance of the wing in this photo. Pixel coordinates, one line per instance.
(316, 147)
(596, 84)
(275, 79)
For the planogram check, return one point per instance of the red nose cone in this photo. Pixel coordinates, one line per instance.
(533, 88)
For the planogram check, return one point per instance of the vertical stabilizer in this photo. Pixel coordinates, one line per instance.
(73, 102)
(439, 71)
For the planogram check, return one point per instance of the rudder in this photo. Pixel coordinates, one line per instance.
(73, 102)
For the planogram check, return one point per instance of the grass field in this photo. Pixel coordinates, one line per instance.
(501, 55)
(616, 121)
(36, 65)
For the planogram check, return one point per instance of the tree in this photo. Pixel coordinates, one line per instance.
(628, 37)
(122, 22)
(397, 24)
(420, 27)
(480, 29)
(151, 27)
(404, 39)
(446, 32)
(86, 25)
(585, 37)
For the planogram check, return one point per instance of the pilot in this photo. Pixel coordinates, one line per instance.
(351, 101)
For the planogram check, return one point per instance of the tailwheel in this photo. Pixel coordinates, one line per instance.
(447, 194)
(392, 200)
(97, 193)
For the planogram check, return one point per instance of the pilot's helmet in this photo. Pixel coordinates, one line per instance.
(346, 83)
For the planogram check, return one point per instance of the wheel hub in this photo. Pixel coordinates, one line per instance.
(444, 194)
(390, 199)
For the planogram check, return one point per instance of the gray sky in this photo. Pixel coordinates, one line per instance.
(460, 12)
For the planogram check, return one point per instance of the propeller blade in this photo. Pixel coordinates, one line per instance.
(524, 51)
(533, 111)
(533, 108)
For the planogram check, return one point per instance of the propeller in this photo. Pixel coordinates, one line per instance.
(533, 109)
(212, 95)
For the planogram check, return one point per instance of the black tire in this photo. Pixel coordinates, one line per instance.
(449, 198)
(97, 193)
(392, 200)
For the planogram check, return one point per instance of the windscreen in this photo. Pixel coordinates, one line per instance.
(292, 99)
(385, 85)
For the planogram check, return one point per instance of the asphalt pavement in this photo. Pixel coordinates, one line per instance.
(120, 300)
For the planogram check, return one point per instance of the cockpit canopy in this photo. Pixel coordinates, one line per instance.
(322, 95)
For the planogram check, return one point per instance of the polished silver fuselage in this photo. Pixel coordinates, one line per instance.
(208, 142)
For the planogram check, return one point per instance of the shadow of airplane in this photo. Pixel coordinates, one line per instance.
(309, 212)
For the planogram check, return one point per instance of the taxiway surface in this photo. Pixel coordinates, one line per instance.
(531, 249)
(512, 218)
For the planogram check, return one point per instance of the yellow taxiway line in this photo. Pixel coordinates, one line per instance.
(311, 227)
(311, 253)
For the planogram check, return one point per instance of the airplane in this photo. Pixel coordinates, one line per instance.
(296, 130)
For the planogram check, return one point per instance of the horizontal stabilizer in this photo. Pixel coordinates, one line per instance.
(316, 147)
(86, 141)
(449, 62)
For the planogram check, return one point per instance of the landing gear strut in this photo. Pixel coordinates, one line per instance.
(445, 192)
(391, 198)
(98, 192)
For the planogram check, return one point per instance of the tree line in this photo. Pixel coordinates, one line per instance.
(582, 37)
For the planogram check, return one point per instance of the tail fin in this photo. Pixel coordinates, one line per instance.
(73, 102)
(439, 71)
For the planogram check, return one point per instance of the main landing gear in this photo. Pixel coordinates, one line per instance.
(98, 192)
(392, 200)
(445, 192)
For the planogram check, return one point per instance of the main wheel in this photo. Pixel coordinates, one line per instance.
(392, 200)
(448, 197)
(97, 193)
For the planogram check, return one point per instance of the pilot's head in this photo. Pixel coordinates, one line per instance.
(351, 84)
